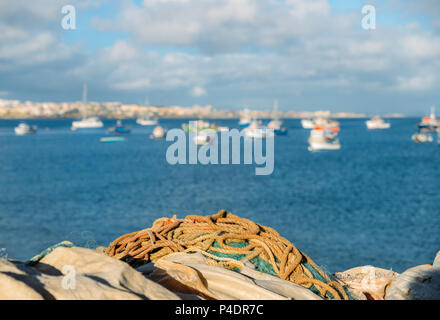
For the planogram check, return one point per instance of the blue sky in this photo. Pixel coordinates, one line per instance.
(308, 54)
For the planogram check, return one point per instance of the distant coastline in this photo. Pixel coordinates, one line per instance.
(15, 109)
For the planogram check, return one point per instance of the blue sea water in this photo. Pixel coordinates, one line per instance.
(374, 202)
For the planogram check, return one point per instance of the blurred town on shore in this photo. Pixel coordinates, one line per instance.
(15, 109)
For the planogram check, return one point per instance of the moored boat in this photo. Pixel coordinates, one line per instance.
(87, 122)
(23, 129)
(245, 119)
(429, 123)
(112, 139)
(159, 132)
(119, 128)
(307, 123)
(421, 137)
(276, 123)
(146, 120)
(377, 123)
(322, 138)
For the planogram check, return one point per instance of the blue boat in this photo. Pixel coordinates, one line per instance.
(119, 128)
(245, 119)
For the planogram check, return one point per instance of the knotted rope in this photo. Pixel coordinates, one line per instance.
(228, 241)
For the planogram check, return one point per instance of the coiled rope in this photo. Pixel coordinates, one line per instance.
(228, 241)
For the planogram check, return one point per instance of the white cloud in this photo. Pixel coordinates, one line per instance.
(302, 8)
(133, 85)
(416, 83)
(227, 46)
(421, 46)
(198, 91)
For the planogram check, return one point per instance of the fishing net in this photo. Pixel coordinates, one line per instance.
(227, 241)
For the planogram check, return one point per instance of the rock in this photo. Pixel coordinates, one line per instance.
(18, 284)
(367, 282)
(77, 273)
(436, 263)
(417, 283)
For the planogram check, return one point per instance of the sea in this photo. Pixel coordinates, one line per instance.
(374, 202)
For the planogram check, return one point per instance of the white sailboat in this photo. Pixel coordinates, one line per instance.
(276, 123)
(145, 121)
(87, 122)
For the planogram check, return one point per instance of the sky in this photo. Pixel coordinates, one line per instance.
(231, 54)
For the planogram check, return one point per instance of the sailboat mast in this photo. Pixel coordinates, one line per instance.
(85, 100)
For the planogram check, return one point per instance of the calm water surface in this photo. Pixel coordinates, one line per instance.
(374, 202)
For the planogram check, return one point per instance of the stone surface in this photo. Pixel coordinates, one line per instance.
(436, 263)
(77, 273)
(367, 282)
(190, 274)
(417, 283)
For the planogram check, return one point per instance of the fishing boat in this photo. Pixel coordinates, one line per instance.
(159, 132)
(276, 123)
(112, 139)
(322, 138)
(245, 119)
(119, 128)
(429, 123)
(421, 137)
(86, 122)
(23, 129)
(376, 123)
